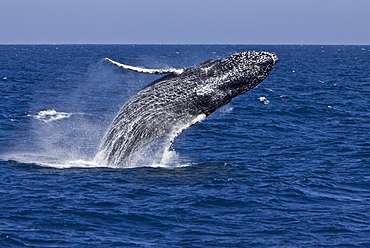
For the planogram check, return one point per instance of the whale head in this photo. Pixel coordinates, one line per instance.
(222, 80)
(247, 69)
(240, 72)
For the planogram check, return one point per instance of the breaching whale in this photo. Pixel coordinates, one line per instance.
(171, 104)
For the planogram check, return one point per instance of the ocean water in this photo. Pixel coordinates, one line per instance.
(286, 164)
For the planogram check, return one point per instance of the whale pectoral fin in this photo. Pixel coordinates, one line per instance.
(144, 70)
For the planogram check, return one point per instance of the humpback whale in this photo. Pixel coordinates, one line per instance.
(183, 97)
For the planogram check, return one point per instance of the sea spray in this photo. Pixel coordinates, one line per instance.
(60, 140)
(66, 120)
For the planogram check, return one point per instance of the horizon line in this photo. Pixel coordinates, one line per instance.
(205, 44)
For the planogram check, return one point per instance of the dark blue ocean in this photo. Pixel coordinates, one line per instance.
(286, 164)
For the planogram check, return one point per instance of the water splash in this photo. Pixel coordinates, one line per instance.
(54, 154)
(158, 154)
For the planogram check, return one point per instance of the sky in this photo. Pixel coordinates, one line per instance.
(185, 22)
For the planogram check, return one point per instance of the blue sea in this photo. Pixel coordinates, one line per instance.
(286, 164)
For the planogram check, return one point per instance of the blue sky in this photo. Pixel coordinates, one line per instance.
(185, 22)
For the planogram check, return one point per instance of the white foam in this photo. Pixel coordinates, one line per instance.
(51, 161)
(50, 115)
(169, 160)
(264, 100)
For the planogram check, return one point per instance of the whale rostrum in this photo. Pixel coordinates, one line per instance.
(171, 104)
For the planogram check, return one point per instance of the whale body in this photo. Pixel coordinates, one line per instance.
(171, 104)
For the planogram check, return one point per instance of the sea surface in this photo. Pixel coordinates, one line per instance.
(286, 164)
